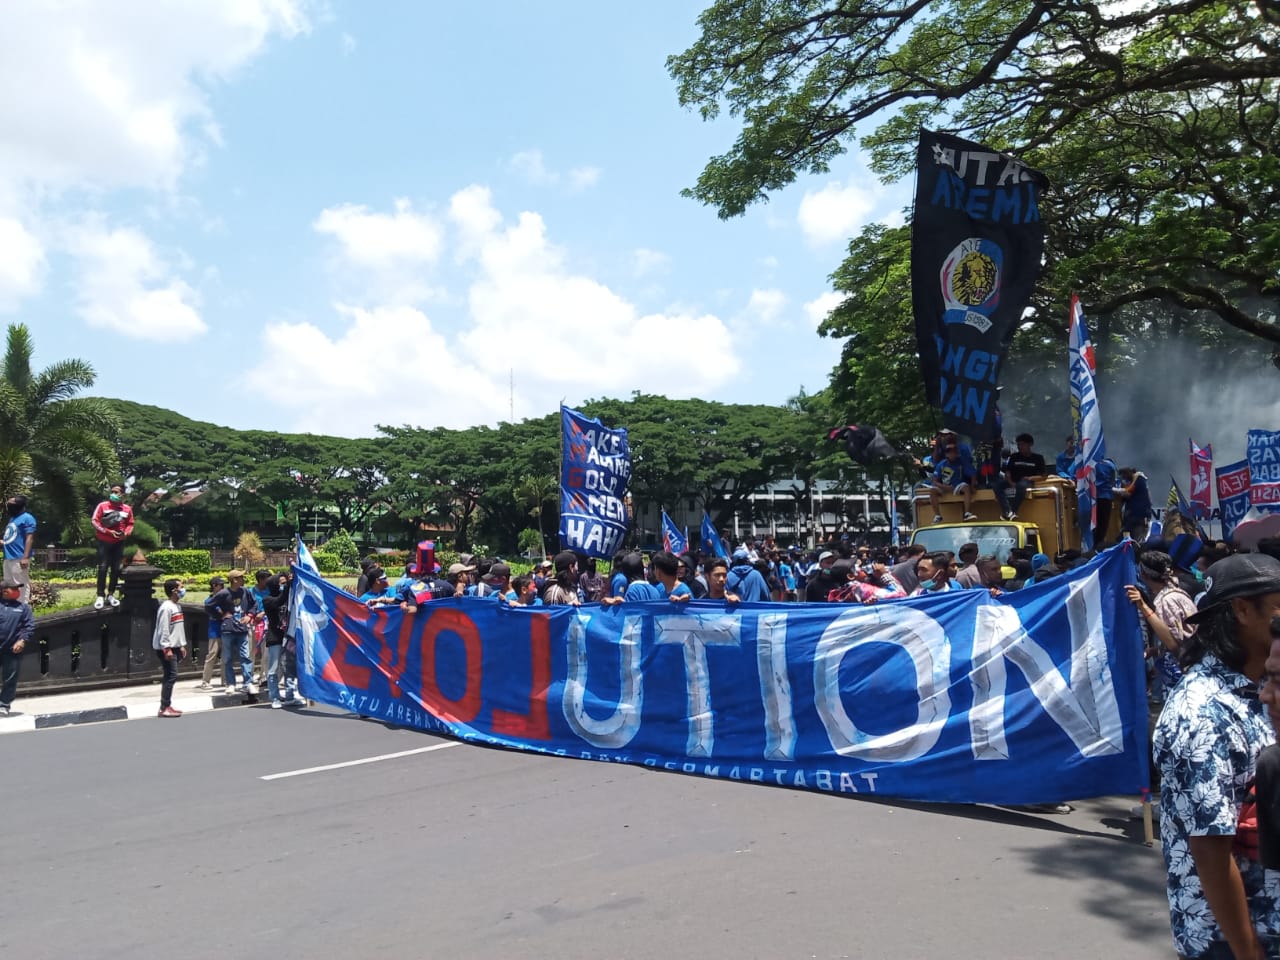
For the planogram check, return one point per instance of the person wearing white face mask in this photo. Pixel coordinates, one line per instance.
(170, 643)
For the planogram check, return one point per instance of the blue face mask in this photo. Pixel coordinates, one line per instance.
(1198, 574)
(182, 592)
(926, 584)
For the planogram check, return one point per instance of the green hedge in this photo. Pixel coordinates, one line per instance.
(181, 561)
(328, 562)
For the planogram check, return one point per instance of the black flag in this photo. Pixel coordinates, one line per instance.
(976, 246)
(864, 444)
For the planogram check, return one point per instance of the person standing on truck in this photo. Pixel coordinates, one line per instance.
(952, 475)
(1023, 467)
(1136, 513)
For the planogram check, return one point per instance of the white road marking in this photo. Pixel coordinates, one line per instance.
(357, 763)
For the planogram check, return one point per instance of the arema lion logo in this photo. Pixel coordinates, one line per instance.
(970, 280)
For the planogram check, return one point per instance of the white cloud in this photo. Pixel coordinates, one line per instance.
(126, 287)
(382, 240)
(532, 167)
(527, 314)
(117, 94)
(834, 213)
(349, 44)
(766, 306)
(529, 165)
(645, 261)
(390, 365)
(22, 262)
(580, 178)
(818, 308)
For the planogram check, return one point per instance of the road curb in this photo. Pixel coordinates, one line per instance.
(35, 720)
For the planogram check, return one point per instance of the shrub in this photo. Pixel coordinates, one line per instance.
(181, 561)
(344, 548)
(249, 550)
(44, 594)
(529, 541)
(330, 562)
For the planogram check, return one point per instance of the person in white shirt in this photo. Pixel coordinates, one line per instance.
(170, 643)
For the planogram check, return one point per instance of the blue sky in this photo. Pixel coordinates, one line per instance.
(306, 216)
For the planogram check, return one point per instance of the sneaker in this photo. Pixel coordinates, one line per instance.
(937, 518)
(250, 698)
(169, 712)
(4, 709)
(99, 603)
(970, 516)
(296, 702)
(1013, 515)
(1006, 515)
(204, 685)
(276, 705)
(113, 600)
(229, 691)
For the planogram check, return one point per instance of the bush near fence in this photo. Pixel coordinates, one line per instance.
(181, 561)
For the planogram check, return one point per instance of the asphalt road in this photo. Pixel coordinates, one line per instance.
(151, 839)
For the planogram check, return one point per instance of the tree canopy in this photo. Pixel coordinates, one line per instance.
(1156, 123)
(481, 484)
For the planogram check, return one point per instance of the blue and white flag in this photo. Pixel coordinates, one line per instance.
(1036, 696)
(1086, 421)
(672, 540)
(305, 560)
(711, 543)
(1263, 452)
(594, 474)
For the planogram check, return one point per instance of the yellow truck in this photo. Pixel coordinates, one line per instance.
(1047, 521)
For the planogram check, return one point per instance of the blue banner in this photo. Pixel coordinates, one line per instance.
(1263, 452)
(1233, 495)
(1036, 696)
(711, 544)
(594, 474)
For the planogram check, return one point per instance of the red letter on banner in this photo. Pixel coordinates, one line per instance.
(454, 711)
(340, 668)
(535, 725)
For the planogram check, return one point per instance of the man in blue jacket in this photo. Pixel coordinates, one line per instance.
(17, 623)
(746, 581)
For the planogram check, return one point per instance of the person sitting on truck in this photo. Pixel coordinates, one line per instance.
(952, 475)
(1065, 462)
(1022, 468)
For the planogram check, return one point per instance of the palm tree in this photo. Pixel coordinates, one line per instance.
(47, 433)
(533, 491)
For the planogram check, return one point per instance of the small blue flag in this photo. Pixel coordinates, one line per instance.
(711, 540)
(672, 540)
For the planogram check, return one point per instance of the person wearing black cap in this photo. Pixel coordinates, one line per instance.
(1213, 727)
(17, 623)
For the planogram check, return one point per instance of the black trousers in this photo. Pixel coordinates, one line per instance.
(110, 557)
(170, 678)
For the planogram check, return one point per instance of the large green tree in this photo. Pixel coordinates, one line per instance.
(48, 434)
(1157, 125)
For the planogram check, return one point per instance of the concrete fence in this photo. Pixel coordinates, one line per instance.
(80, 649)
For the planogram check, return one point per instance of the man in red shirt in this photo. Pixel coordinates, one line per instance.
(112, 522)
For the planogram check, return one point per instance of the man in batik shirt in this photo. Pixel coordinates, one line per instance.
(1221, 902)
